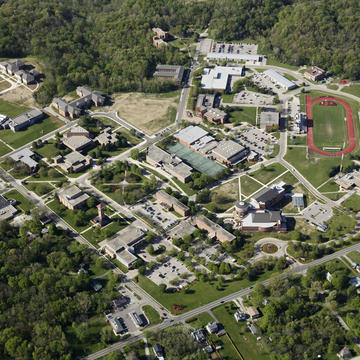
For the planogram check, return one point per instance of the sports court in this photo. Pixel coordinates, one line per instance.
(197, 161)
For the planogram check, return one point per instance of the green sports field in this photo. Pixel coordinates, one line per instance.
(329, 127)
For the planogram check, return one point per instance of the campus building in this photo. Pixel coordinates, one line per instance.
(170, 163)
(73, 162)
(204, 103)
(220, 77)
(215, 116)
(12, 67)
(25, 156)
(170, 72)
(107, 137)
(252, 58)
(75, 107)
(72, 197)
(229, 152)
(214, 230)
(349, 180)
(171, 203)
(122, 245)
(315, 73)
(22, 121)
(279, 79)
(268, 197)
(160, 37)
(7, 210)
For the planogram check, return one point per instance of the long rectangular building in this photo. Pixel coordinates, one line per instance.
(202, 222)
(170, 72)
(280, 79)
(229, 152)
(235, 57)
(172, 203)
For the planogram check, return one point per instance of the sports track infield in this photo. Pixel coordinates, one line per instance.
(350, 126)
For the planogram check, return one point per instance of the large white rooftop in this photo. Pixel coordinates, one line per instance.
(190, 134)
(233, 57)
(278, 78)
(217, 78)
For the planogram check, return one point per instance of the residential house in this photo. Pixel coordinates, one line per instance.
(253, 312)
(158, 351)
(344, 353)
(212, 328)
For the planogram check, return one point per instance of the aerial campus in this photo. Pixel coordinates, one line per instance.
(216, 212)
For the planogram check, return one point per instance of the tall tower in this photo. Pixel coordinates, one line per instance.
(101, 214)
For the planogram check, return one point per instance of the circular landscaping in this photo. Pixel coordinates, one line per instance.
(269, 248)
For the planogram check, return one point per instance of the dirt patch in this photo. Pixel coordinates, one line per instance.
(147, 112)
(21, 96)
(4, 85)
(269, 248)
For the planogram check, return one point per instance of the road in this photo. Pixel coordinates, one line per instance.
(298, 269)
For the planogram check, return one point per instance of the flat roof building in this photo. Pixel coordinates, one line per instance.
(269, 196)
(22, 121)
(262, 220)
(190, 135)
(280, 80)
(7, 210)
(349, 180)
(229, 152)
(298, 200)
(202, 222)
(315, 73)
(219, 78)
(77, 143)
(269, 120)
(173, 203)
(26, 157)
(235, 57)
(253, 312)
(170, 72)
(72, 197)
(182, 229)
(77, 131)
(170, 163)
(204, 102)
(73, 162)
(215, 116)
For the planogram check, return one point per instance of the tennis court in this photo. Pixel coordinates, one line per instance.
(197, 161)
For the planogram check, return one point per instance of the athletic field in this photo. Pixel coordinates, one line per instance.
(329, 126)
(197, 161)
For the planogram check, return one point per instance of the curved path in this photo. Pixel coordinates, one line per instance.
(280, 244)
(350, 124)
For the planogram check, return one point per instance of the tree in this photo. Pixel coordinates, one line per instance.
(150, 249)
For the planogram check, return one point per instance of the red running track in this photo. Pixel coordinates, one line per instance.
(349, 117)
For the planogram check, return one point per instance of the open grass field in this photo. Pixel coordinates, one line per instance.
(246, 114)
(10, 109)
(246, 342)
(22, 203)
(298, 140)
(49, 150)
(4, 85)
(248, 186)
(200, 321)
(227, 98)
(330, 186)
(20, 138)
(316, 169)
(226, 195)
(147, 112)
(329, 127)
(289, 77)
(130, 138)
(288, 178)
(352, 203)
(268, 173)
(352, 89)
(354, 256)
(39, 188)
(4, 149)
(152, 315)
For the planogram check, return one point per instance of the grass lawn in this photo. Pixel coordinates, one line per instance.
(330, 186)
(21, 202)
(200, 321)
(49, 150)
(328, 125)
(4, 149)
(332, 87)
(272, 61)
(59, 176)
(268, 173)
(248, 185)
(68, 215)
(352, 89)
(245, 341)
(260, 70)
(33, 132)
(10, 109)
(289, 77)
(352, 203)
(95, 234)
(342, 222)
(246, 114)
(354, 256)
(288, 178)
(134, 140)
(154, 172)
(39, 188)
(92, 342)
(186, 188)
(316, 169)
(225, 196)
(228, 98)
(194, 296)
(152, 315)
(298, 140)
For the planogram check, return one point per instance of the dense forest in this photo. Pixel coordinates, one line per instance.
(107, 43)
(44, 302)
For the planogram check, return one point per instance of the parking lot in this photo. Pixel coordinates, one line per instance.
(238, 48)
(252, 98)
(123, 313)
(155, 212)
(211, 253)
(265, 82)
(317, 213)
(257, 140)
(170, 270)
